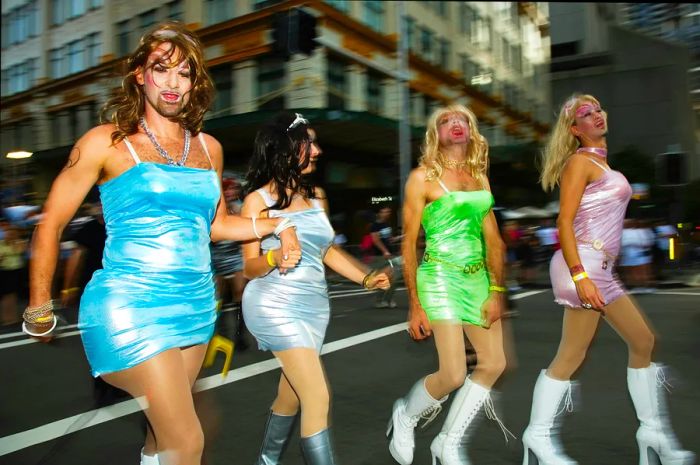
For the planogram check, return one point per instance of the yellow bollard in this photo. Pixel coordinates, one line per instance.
(219, 344)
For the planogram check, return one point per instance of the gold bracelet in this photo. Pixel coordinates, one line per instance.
(32, 315)
(366, 278)
(70, 290)
(497, 288)
(270, 259)
(580, 276)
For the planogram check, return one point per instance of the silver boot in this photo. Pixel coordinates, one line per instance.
(278, 430)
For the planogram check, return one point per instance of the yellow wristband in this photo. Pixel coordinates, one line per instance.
(580, 276)
(70, 290)
(270, 259)
(497, 288)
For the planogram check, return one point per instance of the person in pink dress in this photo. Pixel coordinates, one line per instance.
(593, 201)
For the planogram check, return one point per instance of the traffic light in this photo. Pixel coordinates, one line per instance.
(294, 31)
(671, 169)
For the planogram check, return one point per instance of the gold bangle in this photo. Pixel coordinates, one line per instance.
(366, 278)
(270, 258)
(580, 276)
(497, 288)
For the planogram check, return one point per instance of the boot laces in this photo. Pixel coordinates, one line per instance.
(429, 415)
(568, 405)
(491, 415)
(661, 380)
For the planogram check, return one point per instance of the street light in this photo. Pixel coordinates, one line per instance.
(19, 154)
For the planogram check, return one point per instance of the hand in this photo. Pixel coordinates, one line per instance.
(289, 254)
(387, 255)
(379, 280)
(492, 309)
(40, 328)
(418, 323)
(588, 293)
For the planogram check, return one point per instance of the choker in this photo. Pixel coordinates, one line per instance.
(454, 164)
(598, 151)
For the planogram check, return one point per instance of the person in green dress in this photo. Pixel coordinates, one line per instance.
(458, 288)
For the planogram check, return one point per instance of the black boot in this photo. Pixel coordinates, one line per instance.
(317, 449)
(278, 430)
(239, 337)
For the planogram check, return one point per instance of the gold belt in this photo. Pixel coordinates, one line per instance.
(469, 268)
(598, 245)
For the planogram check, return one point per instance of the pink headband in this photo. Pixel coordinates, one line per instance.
(569, 105)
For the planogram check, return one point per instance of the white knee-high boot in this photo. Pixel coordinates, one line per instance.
(447, 447)
(149, 459)
(655, 436)
(405, 416)
(541, 438)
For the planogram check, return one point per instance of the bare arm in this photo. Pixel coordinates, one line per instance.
(414, 203)
(347, 265)
(67, 193)
(495, 259)
(256, 265)
(233, 227)
(377, 241)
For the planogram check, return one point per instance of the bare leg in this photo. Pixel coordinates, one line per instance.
(490, 353)
(629, 322)
(302, 368)
(166, 384)
(577, 332)
(286, 402)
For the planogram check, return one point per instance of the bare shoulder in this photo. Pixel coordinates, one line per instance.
(418, 174)
(216, 151)
(320, 193)
(95, 145)
(252, 203)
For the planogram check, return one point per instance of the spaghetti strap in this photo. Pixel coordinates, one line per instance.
(136, 158)
(267, 198)
(442, 184)
(601, 166)
(206, 150)
(317, 203)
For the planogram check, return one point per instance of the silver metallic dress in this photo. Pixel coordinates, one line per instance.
(286, 311)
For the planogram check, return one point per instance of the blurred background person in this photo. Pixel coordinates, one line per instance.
(385, 243)
(227, 261)
(12, 266)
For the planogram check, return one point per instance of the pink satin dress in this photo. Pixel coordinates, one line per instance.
(598, 231)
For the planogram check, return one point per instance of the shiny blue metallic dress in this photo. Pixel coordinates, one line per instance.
(155, 291)
(286, 311)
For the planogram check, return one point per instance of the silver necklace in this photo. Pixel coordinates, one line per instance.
(161, 151)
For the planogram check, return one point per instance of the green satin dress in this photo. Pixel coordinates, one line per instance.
(452, 281)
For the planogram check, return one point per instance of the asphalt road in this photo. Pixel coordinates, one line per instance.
(50, 413)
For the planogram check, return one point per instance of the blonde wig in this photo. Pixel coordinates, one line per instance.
(561, 143)
(128, 105)
(433, 160)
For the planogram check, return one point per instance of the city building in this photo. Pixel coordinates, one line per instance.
(642, 80)
(61, 60)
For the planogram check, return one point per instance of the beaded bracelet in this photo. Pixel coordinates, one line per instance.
(580, 276)
(33, 315)
(270, 258)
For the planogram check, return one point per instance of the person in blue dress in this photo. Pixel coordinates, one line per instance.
(147, 316)
(287, 310)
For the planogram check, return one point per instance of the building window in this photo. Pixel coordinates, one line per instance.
(341, 5)
(76, 56)
(426, 43)
(123, 38)
(469, 68)
(146, 20)
(444, 54)
(19, 77)
(219, 11)
(223, 83)
(55, 63)
(95, 4)
(467, 19)
(410, 32)
(337, 83)
(94, 49)
(374, 14)
(374, 93)
(20, 24)
(175, 11)
(271, 83)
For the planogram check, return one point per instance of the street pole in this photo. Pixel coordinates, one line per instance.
(404, 112)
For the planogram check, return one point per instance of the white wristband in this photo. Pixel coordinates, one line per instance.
(286, 223)
(255, 230)
(26, 331)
